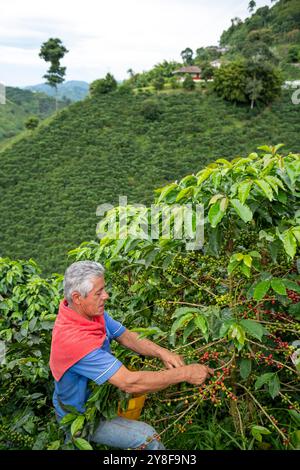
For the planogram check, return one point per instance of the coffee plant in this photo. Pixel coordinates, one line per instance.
(232, 305)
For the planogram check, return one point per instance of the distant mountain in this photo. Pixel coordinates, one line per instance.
(73, 90)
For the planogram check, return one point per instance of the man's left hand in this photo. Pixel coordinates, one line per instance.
(171, 359)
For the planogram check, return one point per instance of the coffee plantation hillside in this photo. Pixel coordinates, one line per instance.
(275, 25)
(19, 106)
(233, 305)
(52, 180)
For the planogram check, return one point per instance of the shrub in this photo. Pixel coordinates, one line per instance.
(32, 122)
(103, 85)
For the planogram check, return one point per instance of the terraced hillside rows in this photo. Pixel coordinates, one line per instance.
(52, 181)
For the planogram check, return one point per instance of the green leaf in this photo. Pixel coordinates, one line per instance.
(242, 210)
(204, 174)
(215, 198)
(289, 243)
(232, 266)
(274, 386)
(245, 368)
(261, 289)
(167, 190)
(274, 182)
(178, 324)
(224, 204)
(82, 444)
(215, 214)
(295, 415)
(244, 190)
(186, 192)
(68, 418)
(224, 329)
(265, 148)
(263, 379)
(183, 310)
(255, 254)
(201, 323)
(248, 260)
(266, 188)
(291, 285)
(189, 329)
(77, 424)
(253, 328)
(278, 286)
(294, 310)
(296, 233)
(257, 432)
(237, 332)
(55, 445)
(245, 270)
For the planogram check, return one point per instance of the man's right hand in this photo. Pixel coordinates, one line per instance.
(196, 374)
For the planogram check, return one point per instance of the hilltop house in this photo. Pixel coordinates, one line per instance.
(192, 70)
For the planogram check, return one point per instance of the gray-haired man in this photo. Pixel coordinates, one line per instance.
(80, 352)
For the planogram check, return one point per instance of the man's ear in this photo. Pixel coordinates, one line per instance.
(76, 298)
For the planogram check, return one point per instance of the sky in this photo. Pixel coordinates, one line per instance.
(107, 35)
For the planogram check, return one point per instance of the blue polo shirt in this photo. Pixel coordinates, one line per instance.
(99, 365)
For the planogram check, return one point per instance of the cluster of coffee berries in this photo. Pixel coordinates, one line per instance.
(214, 355)
(180, 427)
(223, 300)
(282, 344)
(293, 296)
(10, 390)
(214, 389)
(268, 360)
(19, 439)
(172, 271)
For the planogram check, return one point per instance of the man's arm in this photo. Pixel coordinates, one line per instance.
(144, 381)
(131, 340)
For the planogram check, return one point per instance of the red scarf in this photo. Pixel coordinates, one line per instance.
(73, 338)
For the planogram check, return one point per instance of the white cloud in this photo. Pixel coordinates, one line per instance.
(108, 36)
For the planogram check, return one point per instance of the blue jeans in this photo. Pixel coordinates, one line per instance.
(126, 434)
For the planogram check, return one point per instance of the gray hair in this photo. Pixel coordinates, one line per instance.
(79, 277)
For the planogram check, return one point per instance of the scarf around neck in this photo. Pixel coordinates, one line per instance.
(73, 337)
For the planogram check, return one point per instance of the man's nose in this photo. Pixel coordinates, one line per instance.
(105, 295)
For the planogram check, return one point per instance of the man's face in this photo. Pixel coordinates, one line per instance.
(93, 305)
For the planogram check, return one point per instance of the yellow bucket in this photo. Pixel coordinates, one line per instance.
(134, 407)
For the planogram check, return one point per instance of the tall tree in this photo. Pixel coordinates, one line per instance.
(251, 6)
(187, 56)
(53, 51)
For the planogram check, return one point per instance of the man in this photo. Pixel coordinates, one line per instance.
(80, 351)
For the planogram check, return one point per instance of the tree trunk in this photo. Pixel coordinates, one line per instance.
(56, 103)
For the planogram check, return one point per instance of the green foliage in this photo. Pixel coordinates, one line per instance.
(188, 83)
(53, 51)
(159, 83)
(103, 85)
(151, 109)
(227, 305)
(20, 105)
(54, 167)
(281, 19)
(32, 122)
(187, 56)
(28, 305)
(294, 54)
(244, 82)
